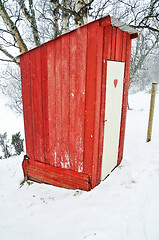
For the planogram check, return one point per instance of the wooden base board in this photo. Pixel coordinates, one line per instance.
(59, 177)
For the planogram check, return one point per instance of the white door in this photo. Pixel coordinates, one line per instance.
(113, 105)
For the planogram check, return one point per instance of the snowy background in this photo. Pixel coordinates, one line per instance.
(125, 206)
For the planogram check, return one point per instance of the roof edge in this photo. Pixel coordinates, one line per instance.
(111, 21)
(103, 22)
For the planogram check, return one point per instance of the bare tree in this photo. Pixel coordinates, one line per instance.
(144, 46)
(25, 24)
(55, 16)
(42, 20)
(143, 16)
(147, 73)
(12, 88)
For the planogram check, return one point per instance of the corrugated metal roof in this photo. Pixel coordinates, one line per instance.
(124, 27)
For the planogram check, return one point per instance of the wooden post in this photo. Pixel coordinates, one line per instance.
(152, 104)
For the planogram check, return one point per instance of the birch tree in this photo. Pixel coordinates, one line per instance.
(25, 24)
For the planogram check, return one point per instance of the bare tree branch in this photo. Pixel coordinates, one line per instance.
(86, 5)
(13, 59)
(31, 18)
(146, 27)
(12, 28)
(76, 15)
(137, 63)
(65, 17)
(7, 60)
(55, 11)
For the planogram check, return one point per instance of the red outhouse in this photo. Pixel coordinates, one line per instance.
(75, 91)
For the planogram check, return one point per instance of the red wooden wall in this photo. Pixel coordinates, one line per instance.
(63, 89)
(117, 47)
(108, 43)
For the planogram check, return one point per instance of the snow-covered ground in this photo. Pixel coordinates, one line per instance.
(125, 206)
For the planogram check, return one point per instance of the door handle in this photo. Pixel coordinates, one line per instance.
(105, 120)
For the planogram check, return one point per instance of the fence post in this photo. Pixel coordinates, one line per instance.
(152, 104)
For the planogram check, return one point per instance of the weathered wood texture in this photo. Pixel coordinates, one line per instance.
(63, 89)
(53, 85)
(117, 47)
(59, 177)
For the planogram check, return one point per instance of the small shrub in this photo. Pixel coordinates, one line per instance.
(4, 145)
(17, 142)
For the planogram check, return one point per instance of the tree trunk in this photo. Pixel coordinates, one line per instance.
(55, 10)
(65, 19)
(83, 12)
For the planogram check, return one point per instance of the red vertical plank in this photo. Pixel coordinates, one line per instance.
(65, 88)
(73, 72)
(51, 104)
(118, 48)
(48, 92)
(44, 89)
(78, 49)
(124, 46)
(125, 99)
(90, 97)
(27, 108)
(58, 70)
(80, 95)
(100, 62)
(106, 55)
(108, 38)
(36, 93)
(113, 47)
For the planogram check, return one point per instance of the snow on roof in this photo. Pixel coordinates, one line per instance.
(124, 27)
